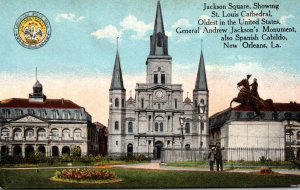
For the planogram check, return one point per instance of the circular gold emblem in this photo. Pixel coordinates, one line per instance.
(32, 30)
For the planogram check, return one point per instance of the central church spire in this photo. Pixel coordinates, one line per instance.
(158, 40)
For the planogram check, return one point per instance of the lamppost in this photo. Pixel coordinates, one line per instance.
(50, 142)
(290, 151)
(201, 112)
(181, 121)
(6, 148)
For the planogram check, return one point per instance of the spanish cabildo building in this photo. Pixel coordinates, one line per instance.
(50, 126)
(158, 116)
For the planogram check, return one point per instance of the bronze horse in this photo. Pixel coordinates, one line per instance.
(247, 99)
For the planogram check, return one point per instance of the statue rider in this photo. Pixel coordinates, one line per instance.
(254, 87)
(247, 86)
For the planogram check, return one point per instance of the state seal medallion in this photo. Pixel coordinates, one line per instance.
(32, 30)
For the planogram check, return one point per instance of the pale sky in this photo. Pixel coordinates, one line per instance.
(77, 62)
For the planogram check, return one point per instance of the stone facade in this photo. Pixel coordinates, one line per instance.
(150, 121)
(50, 126)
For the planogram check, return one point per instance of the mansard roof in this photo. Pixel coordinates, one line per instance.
(48, 103)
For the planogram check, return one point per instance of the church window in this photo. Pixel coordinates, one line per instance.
(159, 39)
(156, 127)
(159, 106)
(155, 78)
(142, 103)
(187, 128)
(195, 104)
(298, 135)
(163, 79)
(175, 103)
(116, 125)
(187, 147)
(123, 102)
(202, 126)
(161, 126)
(130, 127)
(117, 102)
(117, 142)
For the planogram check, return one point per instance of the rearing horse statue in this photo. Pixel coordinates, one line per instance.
(247, 99)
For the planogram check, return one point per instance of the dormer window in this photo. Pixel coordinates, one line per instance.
(31, 111)
(66, 114)
(6, 113)
(43, 113)
(19, 113)
(55, 114)
(77, 115)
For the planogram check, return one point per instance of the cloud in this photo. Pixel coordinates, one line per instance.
(140, 28)
(69, 17)
(182, 22)
(109, 32)
(283, 19)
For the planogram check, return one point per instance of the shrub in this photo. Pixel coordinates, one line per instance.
(85, 174)
(266, 170)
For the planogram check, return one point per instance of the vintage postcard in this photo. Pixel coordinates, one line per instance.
(149, 94)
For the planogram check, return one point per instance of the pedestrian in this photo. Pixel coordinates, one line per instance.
(211, 159)
(218, 157)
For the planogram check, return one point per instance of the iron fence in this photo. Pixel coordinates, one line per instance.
(230, 154)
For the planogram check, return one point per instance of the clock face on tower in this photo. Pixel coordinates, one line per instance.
(159, 94)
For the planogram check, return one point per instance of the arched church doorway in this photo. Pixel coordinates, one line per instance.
(157, 150)
(129, 150)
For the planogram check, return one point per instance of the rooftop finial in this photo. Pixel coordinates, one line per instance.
(35, 73)
(201, 44)
(130, 93)
(187, 94)
(118, 43)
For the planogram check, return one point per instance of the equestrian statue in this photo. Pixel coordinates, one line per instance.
(248, 96)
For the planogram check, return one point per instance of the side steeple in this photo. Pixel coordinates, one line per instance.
(201, 82)
(117, 79)
(158, 40)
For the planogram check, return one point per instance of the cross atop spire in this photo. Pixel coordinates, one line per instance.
(118, 43)
(36, 73)
(201, 82)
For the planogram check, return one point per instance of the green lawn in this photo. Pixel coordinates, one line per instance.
(133, 178)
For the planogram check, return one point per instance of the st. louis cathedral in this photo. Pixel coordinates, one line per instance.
(151, 120)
